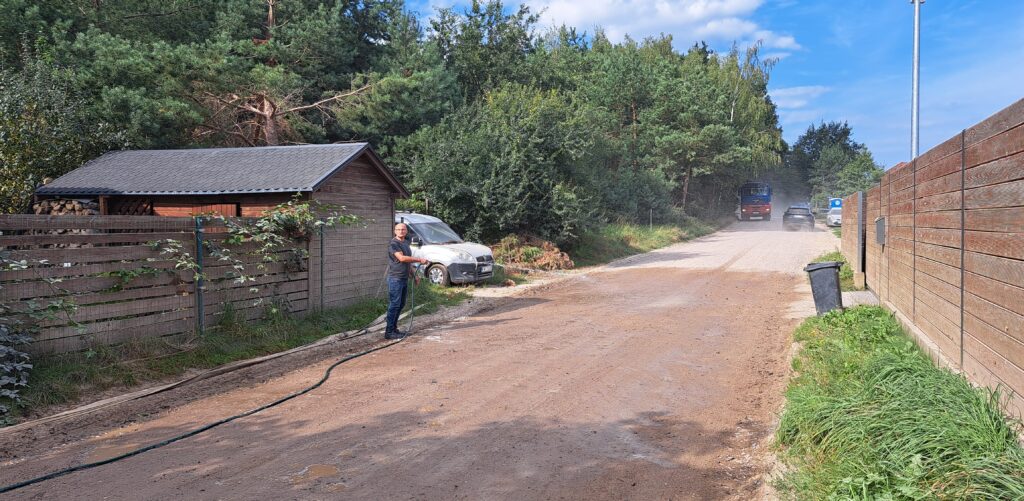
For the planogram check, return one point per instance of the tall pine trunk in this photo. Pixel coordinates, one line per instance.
(686, 186)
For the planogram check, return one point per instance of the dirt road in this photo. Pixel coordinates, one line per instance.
(656, 377)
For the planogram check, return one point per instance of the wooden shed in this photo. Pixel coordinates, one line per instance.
(246, 182)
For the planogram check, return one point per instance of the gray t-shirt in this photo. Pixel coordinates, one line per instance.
(396, 268)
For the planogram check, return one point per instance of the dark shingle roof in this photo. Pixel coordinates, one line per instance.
(269, 169)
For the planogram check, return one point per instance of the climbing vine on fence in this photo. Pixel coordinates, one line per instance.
(19, 321)
(278, 235)
(250, 245)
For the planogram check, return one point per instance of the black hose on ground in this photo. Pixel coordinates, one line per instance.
(326, 376)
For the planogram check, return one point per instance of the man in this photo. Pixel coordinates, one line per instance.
(400, 261)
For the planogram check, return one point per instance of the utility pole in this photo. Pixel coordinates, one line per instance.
(915, 121)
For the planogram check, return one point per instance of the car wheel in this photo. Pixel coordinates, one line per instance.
(768, 217)
(438, 275)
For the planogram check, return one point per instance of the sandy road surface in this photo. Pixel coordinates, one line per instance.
(657, 377)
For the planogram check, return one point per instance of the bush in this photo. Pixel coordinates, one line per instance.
(531, 253)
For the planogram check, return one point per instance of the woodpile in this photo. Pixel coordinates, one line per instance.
(67, 207)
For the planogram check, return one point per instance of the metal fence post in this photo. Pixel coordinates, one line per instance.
(321, 267)
(199, 281)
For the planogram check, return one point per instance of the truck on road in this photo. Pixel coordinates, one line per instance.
(755, 201)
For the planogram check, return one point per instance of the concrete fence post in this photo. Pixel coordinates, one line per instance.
(963, 243)
(860, 263)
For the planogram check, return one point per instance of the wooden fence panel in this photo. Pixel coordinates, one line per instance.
(953, 252)
(124, 288)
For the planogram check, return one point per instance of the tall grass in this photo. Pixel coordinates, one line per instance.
(613, 241)
(870, 417)
(845, 272)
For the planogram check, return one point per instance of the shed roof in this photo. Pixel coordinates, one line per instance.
(214, 171)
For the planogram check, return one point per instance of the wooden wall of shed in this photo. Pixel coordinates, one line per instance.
(354, 256)
(248, 205)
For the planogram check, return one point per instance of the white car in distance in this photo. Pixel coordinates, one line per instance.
(452, 260)
(834, 217)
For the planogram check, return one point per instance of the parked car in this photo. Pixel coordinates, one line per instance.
(797, 217)
(452, 260)
(834, 217)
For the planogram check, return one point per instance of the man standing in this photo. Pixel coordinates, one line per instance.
(400, 261)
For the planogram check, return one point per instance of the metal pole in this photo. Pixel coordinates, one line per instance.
(321, 267)
(199, 282)
(915, 137)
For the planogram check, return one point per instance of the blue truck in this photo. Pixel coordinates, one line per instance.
(755, 201)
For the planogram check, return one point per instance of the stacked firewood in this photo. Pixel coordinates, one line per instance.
(67, 207)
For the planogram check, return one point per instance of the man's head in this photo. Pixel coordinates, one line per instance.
(401, 230)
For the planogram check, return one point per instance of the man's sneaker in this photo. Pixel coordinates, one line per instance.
(394, 335)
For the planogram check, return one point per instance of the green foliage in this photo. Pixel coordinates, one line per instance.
(845, 272)
(43, 131)
(869, 417)
(62, 378)
(484, 47)
(831, 163)
(515, 150)
(125, 277)
(19, 321)
(274, 236)
(617, 240)
(503, 129)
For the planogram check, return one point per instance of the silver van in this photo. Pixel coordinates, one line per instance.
(452, 260)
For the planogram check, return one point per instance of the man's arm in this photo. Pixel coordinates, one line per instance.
(402, 258)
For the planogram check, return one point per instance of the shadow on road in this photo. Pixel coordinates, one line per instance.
(409, 454)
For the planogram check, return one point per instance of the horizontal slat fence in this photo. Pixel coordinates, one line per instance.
(852, 237)
(952, 260)
(124, 288)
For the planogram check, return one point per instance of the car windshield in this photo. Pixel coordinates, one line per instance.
(436, 233)
(835, 212)
(799, 210)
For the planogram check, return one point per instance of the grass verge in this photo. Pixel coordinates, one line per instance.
(63, 378)
(613, 241)
(845, 272)
(869, 417)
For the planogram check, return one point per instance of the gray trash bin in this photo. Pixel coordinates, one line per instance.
(825, 286)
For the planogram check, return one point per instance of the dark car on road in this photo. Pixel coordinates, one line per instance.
(798, 217)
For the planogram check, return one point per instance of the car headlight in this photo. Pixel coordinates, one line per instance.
(465, 256)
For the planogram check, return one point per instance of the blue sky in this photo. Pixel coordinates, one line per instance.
(840, 60)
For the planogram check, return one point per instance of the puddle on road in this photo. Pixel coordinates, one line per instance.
(314, 472)
(104, 453)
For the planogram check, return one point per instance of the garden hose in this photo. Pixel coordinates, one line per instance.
(326, 376)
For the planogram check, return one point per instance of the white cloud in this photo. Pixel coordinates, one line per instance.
(778, 56)
(688, 21)
(790, 98)
(773, 40)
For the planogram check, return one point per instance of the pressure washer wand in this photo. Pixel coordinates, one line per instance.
(412, 300)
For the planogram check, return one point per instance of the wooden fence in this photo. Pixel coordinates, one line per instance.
(944, 246)
(124, 288)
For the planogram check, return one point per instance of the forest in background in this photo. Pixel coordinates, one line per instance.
(504, 126)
